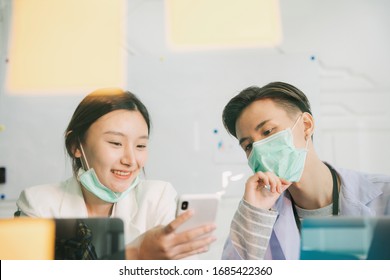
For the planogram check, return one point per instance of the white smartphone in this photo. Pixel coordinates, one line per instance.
(205, 207)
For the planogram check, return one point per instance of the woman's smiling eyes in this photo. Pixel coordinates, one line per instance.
(142, 146)
(115, 143)
(119, 144)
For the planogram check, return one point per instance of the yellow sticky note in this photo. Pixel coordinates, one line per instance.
(193, 24)
(65, 46)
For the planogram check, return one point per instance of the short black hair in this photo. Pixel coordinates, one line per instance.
(283, 94)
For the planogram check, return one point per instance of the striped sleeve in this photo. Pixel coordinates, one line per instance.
(250, 230)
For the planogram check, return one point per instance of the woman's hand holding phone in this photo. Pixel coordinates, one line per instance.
(164, 242)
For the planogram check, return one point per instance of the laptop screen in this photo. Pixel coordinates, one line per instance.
(90, 238)
(349, 238)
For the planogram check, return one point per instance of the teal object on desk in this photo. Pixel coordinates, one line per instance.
(345, 238)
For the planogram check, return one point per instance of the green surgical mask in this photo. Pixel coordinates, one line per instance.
(277, 154)
(91, 182)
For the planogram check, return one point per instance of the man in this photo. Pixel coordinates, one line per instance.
(274, 126)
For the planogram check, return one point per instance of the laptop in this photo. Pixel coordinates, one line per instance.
(345, 238)
(89, 238)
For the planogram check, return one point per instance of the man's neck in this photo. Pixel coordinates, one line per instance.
(315, 188)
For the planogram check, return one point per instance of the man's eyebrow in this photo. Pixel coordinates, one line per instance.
(242, 140)
(259, 126)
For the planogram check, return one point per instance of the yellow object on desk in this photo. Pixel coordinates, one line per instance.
(27, 239)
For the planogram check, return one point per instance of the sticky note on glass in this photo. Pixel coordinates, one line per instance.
(198, 24)
(65, 45)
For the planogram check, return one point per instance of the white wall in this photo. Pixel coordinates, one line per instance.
(348, 83)
(351, 42)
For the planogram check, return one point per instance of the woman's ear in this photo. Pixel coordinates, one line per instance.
(76, 152)
(308, 122)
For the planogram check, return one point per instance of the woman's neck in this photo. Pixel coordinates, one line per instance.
(315, 188)
(95, 206)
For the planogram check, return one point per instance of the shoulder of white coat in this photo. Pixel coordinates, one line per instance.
(42, 191)
(52, 189)
(373, 178)
(39, 196)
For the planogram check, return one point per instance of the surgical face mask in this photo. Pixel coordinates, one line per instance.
(90, 181)
(277, 154)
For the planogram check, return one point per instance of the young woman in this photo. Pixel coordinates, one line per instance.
(274, 126)
(107, 140)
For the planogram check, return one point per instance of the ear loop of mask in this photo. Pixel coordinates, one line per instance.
(83, 158)
(296, 122)
(300, 116)
(307, 143)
